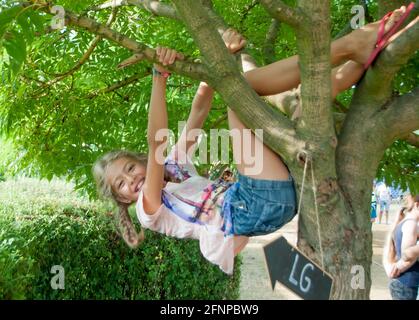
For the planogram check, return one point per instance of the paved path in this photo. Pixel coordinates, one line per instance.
(255, 283)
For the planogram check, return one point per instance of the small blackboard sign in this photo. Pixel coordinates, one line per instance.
(290, 267)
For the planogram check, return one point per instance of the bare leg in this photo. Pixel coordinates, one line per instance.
(239, 243)
(345, 76)
(284, 75)
(272, 166)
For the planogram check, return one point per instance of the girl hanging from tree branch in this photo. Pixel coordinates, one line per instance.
(171, 198)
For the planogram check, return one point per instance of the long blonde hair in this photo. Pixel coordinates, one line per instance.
(127, 228)
(391, 245)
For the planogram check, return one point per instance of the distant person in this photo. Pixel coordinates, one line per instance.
(384, 196)
(373, 212)
(400, 252)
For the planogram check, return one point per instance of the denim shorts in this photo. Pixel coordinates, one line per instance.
(258, 207)
(399, 291)
(384, 205)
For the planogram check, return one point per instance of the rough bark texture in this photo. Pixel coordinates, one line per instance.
(344, 165)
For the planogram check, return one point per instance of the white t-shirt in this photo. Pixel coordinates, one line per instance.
(182, 201)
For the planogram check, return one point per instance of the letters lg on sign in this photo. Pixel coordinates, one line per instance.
(295, 271)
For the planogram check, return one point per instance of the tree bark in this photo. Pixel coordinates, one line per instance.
(334, 224)
(279, 133)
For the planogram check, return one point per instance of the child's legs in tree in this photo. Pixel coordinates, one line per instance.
(272, 167)
(284, 75)
(345, 76)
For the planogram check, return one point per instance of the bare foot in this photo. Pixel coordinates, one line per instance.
(364, 39)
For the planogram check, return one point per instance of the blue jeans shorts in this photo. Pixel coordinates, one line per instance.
(384, 205)
(399, 291)
(258, 207)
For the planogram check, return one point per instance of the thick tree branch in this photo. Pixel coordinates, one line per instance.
(401, 117)
(155, 7)
(215, 18)
(193, 70)
(282, 12)
(279, 133)
(314, 60)
(377, 83)
(286, 102)
(368, 131)
(372, 113)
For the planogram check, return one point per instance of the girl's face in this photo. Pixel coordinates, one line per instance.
(126, 178)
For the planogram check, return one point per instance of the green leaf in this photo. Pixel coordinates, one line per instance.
(16, 48)
(6, 17)
(23, 21)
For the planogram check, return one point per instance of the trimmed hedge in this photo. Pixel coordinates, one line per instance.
(45, 224)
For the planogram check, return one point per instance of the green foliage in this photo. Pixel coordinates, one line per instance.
(7, 157)
(18, 27)
(61, 124)
(46, 224)
(400, 167)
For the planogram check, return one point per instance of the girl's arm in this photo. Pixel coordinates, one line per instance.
(200, 109)
(202, 102)
(157, 122)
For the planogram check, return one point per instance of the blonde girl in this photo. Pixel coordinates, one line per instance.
(169, 195)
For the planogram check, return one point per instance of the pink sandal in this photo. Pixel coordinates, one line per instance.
(382, 39)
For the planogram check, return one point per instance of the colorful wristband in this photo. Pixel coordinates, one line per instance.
(162, 74)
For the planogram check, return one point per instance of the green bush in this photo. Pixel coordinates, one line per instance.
(45, 224)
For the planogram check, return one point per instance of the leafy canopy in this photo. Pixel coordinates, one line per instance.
(60, 120)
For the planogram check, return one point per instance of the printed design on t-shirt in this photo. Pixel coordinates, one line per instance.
(175, 172)
(201, 210)
(195, 210)
(210, 199)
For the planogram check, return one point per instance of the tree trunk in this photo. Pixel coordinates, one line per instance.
(334, 224)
